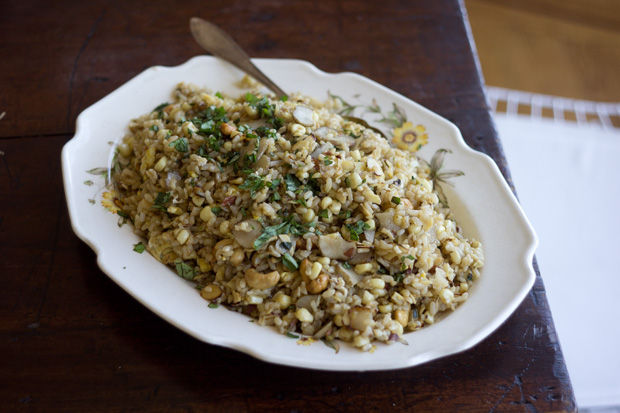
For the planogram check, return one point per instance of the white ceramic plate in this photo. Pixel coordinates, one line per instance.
(481, 200)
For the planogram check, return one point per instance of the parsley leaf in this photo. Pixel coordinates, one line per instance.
(161, 199)
(185, 271)
(254, 183)
(292, 183)
(288, 226)
(289, 262)
(395, 200)
(356, 229)
(181, 145)
(139, 247)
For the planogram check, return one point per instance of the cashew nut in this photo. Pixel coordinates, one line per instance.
(227, 129)
(260, 280)
(211, 292)
(319, 284)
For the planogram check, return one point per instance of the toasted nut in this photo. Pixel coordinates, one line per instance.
(227, 129)
(260, 280)
(211, 292)
(319, 284)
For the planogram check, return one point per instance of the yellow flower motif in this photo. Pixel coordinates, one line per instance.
(410, 138)
(111, 202)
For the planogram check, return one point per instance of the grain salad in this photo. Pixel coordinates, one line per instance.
(287, 212)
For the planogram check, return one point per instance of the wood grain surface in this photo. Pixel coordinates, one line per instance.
(72, 340)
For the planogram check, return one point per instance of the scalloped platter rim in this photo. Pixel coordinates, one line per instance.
(482, 202)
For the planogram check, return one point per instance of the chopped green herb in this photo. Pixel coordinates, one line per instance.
(154, 128)
(403, 266)
(327, 161)
(161, 199)
(219, 95)
(395, 200)
(161, 107)
(181, 145)
(185, 271)
(356, 229)
(333, 344)
(139, 247)
(289, 262)
(89, 182)
(283, 98)
(291, 335)
(254, 183)
(216, 210)
(288, 226)
(202, 151)
(292, 183)
(324, 214)
(346, 265)
(213, 305)
(398, 277)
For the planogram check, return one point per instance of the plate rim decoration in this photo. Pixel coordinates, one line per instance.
(482, 201)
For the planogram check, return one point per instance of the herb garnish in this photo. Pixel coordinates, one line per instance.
(403, 266)
(185, 271)
(254, 183)
(356, 229)
(161, 199)
(139, 247)
(181, 145)
(289, 262)
(292, 183)
(395, 200)
(288, 226)
(265, 109)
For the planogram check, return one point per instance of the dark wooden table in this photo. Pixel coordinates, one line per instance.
(71, 339)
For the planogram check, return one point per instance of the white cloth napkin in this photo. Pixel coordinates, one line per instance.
(567, 178)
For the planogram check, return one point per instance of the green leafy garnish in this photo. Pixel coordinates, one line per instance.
(161, 199)
(324, 214)
(395, 200)
(289, 262)
(213, 305)
(216, 210)
(185, 271)
(356, 229)
(265, 109)
(219, 95)
(292, 183)
(181, 145)
(254, 183)
(160, 107)
(154, 128)
(288, 226)
(139, 247)
(333, 344)
(403, 266)
(291, 335)
(398, 277)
